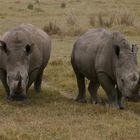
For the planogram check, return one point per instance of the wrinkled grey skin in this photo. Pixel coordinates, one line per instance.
(24, 53)
(106, 59)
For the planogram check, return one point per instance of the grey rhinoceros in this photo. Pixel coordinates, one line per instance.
(24, 53)
(105, 58)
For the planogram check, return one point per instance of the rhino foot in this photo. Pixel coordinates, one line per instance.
(94, 101)
(8, 97)
(114, 105)
(81, 100)
(121, 108)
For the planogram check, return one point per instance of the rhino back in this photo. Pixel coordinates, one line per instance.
(41, 40)
(90, 50)
(28, 34)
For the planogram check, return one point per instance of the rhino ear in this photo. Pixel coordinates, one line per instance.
(3, 46)
(134, 48)
(28, 49)
(117, 50)
(135, 51)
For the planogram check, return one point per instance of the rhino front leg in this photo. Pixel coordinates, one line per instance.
(93, 87)
(3, 76)
(120, 99)
(6, 88)
(109, 87)
(81, 87)
(38, 81)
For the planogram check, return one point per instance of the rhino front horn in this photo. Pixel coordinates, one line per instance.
(19, 83)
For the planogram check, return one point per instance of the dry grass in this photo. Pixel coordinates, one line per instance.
(92, 20)
(63, 5)
(105, 21)
(126, 18)
(52, 28)
(112, 19)
(30, 6)
(53, 115)
(71, 18)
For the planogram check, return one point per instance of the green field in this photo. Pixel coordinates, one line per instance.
(53, 114)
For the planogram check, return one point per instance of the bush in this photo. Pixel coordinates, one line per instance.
(38, 10)
(92, 20)
(30, 6)
(37, 1)
(71, 19)
(106, 21)
(63, 5)
(126, 18)
(74, 31)
(52, 28)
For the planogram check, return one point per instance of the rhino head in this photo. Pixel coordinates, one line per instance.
(126, 69)
(17, 68)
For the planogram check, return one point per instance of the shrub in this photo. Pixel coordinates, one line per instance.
(92, 20)
(30, 6)
(71, 19)
(63, 5)
(38, 10)
(52, 28)
(126, 18)
(74, 31)
(37, 1)
(106, 21)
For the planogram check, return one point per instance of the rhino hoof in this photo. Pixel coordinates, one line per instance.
(8, 98)
(121, 108)
(81, 100)
(94, 102)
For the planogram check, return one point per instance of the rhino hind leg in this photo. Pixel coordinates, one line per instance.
(109, 87)
(6, 88)
(119, 97)
(81, 87)
(93, 87)
(38, 81)
(4, 82)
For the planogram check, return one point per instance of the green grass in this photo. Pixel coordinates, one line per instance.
(53, 114)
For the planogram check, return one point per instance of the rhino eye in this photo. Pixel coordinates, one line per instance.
(9, 78)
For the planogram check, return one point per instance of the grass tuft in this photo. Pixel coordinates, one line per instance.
(92, 20)
(126, 18)
(105, 21)
(71, 19)
(52, 28)
(30, 6)
(63, 5)
(37, 1)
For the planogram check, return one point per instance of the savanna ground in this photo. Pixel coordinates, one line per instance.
(53, 114)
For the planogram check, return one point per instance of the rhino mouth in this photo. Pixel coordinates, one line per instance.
(17, 97)
(133, 98)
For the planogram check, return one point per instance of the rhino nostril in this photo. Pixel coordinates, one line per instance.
(17, 97)
(122, 80)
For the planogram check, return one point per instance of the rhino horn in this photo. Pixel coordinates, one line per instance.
(19, 83)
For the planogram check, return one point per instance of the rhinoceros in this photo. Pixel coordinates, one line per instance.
(24, 53)
(107, 59)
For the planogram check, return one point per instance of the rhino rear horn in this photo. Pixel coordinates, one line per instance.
(135, 51)
(19, 83)
(134, 48)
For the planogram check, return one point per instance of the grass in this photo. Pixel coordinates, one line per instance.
(54, 115)
(52, 28)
